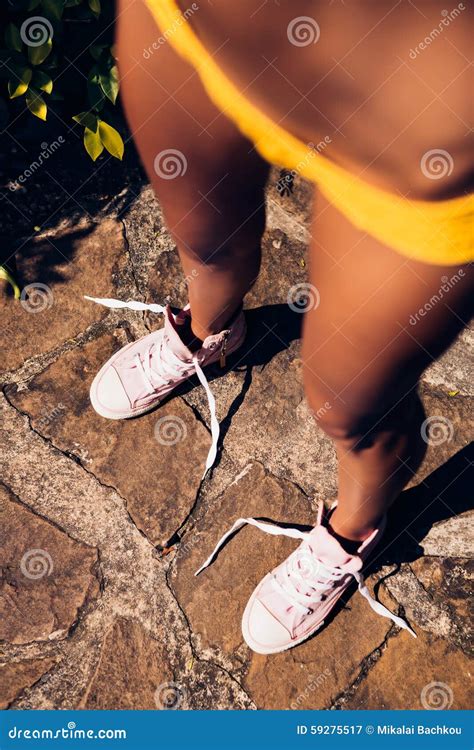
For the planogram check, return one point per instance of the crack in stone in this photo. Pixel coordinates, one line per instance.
(194, 651)
(18, 697)
(366, 665)
(39, 363)
(72, 457)
(95, 570)
(19, 501)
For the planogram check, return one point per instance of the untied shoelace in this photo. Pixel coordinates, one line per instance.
(329, 574)
(117, 304)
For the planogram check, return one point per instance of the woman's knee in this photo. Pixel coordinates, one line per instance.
(354, 417)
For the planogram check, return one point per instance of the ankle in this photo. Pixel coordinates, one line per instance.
(200, 332)
(350, 533)
(189, 338)
(351, 546)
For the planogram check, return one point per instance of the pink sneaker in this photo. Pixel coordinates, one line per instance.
(292, 602)
(141, 374)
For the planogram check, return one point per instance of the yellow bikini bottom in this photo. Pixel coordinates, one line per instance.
(438, 232)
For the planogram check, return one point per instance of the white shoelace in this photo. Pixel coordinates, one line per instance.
(329, 575)
(175, 368)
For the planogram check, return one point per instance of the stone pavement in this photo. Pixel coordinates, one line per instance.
(104, 523)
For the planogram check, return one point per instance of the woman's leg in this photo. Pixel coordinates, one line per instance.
(207, 176)
(364, 348)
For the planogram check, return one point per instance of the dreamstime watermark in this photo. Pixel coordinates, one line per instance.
(191, 276)
(170, 430)
(47, 149)
(36, 31)
(287, 176)
(185, 547)
(303, 297)
(437, 430)
(303, 565)
(36, 298)
(169, 696)
(446, 286)
(313, 684)
(447, 17)
(178, 21)
(170, 163)
(48, 417)
(71, 732)
(36, 564)
(436, 696)
(436, 164)
(303, 31)
(322, 410)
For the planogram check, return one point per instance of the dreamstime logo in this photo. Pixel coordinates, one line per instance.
(36, 297)
(313, 684)
(168, 696)
(302, 31)
(436, 696)
(303, 297)
(36, 563)
(47, 150)
(36, 31)
(446, 286)
(170, 430)
(436, 164)
(170, 31)
(447, 17)
(437, 430)
(303, 565)
(170, 164)
(286, 179)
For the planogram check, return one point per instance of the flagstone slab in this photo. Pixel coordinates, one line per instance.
(131, 669)
(422, 673)
(47, 577)
(155, 462)
(59, 269)
(16, 676)
(307, 677)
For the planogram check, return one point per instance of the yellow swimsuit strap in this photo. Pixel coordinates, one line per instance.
(434, 232)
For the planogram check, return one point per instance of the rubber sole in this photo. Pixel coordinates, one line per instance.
(257, 647)
(107, 414)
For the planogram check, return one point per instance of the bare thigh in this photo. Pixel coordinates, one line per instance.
(195, 157)
(381, 320)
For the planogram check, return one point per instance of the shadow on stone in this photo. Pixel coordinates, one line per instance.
(444, 494)
(271, 329)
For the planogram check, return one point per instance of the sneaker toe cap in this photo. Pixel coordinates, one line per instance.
(108, 396)
(262, 631)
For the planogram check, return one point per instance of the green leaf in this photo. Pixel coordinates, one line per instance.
(94, 5)
(94, 92)
(13, 38)
(32, 4)
(37, 55)
(19, 82)
(72, 3)
(43, 81)
(109, 83)
(88, 120)
(36, 104)
(111, 139)
(96, 50)
(6, 275)
(93, 144)
(53, 8)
